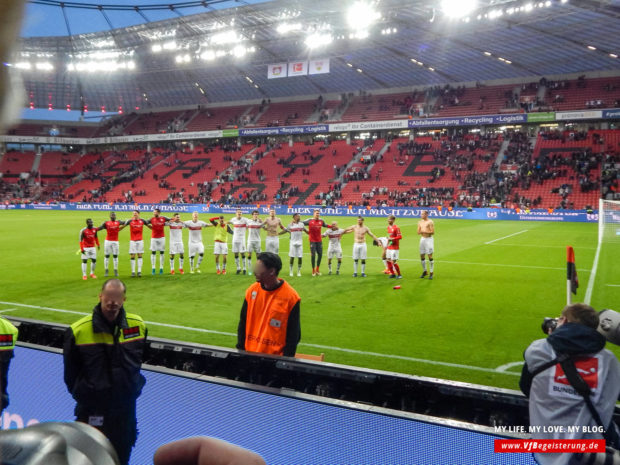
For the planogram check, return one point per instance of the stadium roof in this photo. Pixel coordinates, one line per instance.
(222, 54)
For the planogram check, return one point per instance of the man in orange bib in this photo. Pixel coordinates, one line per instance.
(269, 321)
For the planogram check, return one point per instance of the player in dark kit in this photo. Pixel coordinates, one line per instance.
(316, 241)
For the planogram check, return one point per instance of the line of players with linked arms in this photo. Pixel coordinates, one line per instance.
(237, 226)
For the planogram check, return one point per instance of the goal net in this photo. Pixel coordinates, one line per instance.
(609, 221)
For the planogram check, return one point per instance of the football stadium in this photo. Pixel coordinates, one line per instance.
(352, 232)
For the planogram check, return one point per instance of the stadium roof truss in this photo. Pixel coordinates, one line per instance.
(198, 59)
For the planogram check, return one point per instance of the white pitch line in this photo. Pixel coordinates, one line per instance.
(613, 285)
(588, 298)
(506, 366)
(506, 237)
(318, 346)
(7, 310)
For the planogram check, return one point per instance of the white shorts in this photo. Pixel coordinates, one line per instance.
(359, 251)
(254, 246)
(334, 252)
(196, 248)
(176, 247)
(136, 247)
(238, 247)
(296, 250)
(272, 244)
(391, 255)
(110, 247)
(220, 248)
(158, 245)
(89, 252)
(426, 245)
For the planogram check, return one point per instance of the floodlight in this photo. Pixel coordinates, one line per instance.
(285, 28)
(458, 8)
(361, 15)
(226, 37)
(318, 40)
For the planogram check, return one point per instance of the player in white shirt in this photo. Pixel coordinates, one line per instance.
(295, 229)
(254, 227)
(334, 249)
(239, 225)
(195, 241)
(176, 241)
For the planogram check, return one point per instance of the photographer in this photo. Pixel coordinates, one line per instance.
(553, 366)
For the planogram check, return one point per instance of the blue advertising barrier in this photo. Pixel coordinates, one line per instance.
(579, 216)
(285, 130)
(469, 120)
(283, 430)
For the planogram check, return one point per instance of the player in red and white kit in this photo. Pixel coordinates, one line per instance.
(88, 239)
(136, 243)
(110, 245)
(391, 253)
(158, 239)
(316, 240)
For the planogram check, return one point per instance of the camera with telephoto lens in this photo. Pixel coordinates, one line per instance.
(608, 325)
(549, 325)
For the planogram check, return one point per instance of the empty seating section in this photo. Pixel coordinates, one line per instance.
(57, 164)
(593, 93)
(380, 107)
(475, 101)
(286, 113)
(209, 119)
(153, 123)
(14, 163)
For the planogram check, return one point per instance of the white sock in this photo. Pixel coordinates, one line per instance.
(133, 265)
(249, 263)
(243, 261)
(224, 266)
(191, 263)
(171, 264)
(338, 267)
(329, 267)
(385, 264)
(106, 262)
(355, 266)
(161, 261)
(153, 260)
(217, 266)
(115, 260)
(290, 268)
(139, 264)
(363, 268)
(200, 257)
(92, 267)
(83, 269)
(180, 263)
(424, 265)
(432, 262)
(237, 262)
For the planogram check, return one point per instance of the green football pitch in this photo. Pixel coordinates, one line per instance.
(494, 282)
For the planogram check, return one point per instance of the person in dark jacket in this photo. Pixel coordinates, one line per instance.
(103, 353)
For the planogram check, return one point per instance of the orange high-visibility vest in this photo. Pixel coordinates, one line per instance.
(267, 317)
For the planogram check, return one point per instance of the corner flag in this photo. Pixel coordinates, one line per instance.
(572, 283)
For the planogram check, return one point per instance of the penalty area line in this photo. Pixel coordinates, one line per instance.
(506, 237)
(316, 346)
